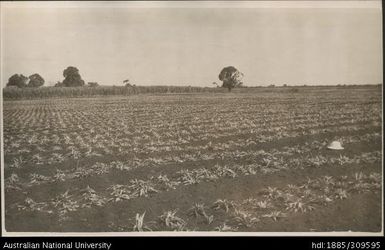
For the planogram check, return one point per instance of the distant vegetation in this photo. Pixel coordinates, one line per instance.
(47, 92)
(93, 84)
(21, 81)
(22, 87)
(14, 93)
(127, 83)
(231, 77)
(72, 78)
(71, 75)
(35, 81)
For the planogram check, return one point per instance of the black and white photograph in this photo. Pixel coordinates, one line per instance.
(217, 118)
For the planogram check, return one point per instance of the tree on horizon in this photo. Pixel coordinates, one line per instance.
(231, 77)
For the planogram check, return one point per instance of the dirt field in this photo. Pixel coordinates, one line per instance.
(243, 161)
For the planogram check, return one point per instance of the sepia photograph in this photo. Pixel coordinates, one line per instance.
(206, 118)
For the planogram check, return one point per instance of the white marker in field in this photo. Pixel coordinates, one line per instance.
(335, 145)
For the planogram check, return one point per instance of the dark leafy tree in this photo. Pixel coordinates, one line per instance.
(72, 77)
(35, 81)
(17, 80)
(231, 77)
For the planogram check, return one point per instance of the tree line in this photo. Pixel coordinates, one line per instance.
(71, 75)
(230, 77)
(21, 81)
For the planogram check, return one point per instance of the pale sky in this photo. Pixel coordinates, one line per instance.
(189, 46)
